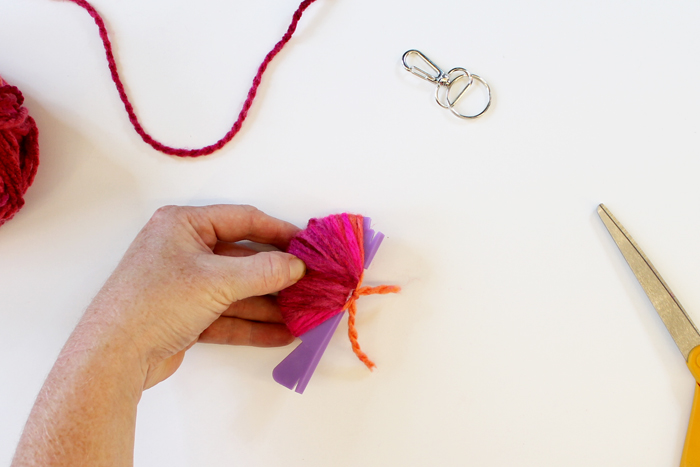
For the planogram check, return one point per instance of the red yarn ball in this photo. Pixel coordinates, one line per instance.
(19, 151)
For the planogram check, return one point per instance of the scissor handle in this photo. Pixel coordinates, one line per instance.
(691, 450)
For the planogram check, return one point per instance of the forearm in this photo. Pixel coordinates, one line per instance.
(182, 279)
(85, 413)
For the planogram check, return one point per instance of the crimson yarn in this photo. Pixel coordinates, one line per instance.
(206, 150)
(19, 151)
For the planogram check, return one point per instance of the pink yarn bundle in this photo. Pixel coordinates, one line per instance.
(333, 250)
(19, 151)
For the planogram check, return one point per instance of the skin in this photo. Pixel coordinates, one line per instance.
(182, 280)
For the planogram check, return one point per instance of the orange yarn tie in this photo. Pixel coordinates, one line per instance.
(351, 306)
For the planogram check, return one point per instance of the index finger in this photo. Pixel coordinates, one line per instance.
(232, 223)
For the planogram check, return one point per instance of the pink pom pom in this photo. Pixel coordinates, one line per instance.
(332, 249)
(19, 151)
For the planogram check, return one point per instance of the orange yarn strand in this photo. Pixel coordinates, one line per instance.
(351, 306)
(352, 334)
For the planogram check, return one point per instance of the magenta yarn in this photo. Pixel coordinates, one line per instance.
(332, 249)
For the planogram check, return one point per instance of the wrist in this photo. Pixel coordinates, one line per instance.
(109, 353)
(85, 414)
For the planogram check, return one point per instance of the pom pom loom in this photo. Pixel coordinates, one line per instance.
(336, 249)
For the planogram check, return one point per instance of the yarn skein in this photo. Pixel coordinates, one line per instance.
(206, 150)
(19, 151)
(333, 250)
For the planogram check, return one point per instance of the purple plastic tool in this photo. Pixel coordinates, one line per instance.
(371, 240)
(295, 371)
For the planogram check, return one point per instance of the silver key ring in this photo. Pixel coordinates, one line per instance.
(444, 81)
(452, 103)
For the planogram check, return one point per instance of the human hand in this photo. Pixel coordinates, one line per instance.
(183, 280)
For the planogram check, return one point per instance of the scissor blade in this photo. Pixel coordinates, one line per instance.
(682, 329)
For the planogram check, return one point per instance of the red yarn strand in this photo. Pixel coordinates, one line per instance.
(206, 150)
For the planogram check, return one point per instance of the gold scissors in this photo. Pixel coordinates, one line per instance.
(682, 329)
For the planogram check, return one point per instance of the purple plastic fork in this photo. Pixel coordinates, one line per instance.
(295, 371)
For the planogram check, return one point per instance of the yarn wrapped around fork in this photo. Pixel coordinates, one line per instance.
(333, 250)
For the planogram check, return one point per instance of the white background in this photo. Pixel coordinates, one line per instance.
(520, 337)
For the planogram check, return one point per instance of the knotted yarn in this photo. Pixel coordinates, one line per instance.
(333, 250)
(19, 151)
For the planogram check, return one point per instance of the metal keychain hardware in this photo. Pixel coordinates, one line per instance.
(444, 82)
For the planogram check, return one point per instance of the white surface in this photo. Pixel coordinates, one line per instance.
(521, 336)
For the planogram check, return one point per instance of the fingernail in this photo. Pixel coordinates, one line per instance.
(297, 269)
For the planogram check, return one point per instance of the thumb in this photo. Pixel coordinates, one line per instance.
(261, 273)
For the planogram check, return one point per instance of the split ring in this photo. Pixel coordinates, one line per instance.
(452, 103)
